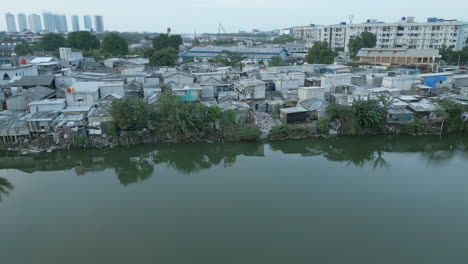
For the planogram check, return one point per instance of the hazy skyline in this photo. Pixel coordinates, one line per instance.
(205, 15)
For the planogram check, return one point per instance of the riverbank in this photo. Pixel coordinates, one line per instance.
(240, 134)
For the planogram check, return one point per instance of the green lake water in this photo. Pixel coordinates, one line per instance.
(343, 200)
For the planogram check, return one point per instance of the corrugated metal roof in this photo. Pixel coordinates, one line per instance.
(250, 82)
(34, 81)
(36, 93)
(291, 110)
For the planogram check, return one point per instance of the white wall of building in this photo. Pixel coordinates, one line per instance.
(405, 34)
(306, 93)
(336, 79)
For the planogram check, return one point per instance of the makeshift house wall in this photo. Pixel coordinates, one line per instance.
(112, 88)
(435, 81)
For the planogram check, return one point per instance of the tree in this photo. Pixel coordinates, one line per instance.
(386, 101)
(228, 117)
(213, 114)
(130, 113)
(52, 42)
(83, 40)
(460, 57)
(344, 115)
(365, 40)
(23, 48)
(168, 101)
(164, 41)
(445, 53)
(233, 59)
(276, 61)
(220, 59)
(164, 57)
(320, 53)
(115, 44)
(184, 121)
(369, 40)
(148, 52)
(93, 53)
(367, 113)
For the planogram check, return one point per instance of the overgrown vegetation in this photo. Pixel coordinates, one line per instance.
(276, 61)
(453, 112)
(450, 56)
(115, 45)
(344, 116)
(164, 41)
(130, 113)
(322, 124)
(164, 57)
(187, 120)
(286, 131)
(82, 140)
(321, 53)
(364, 40)
(83, 40)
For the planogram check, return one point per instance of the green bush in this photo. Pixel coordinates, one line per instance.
(249, 133)
(130, 134)
(111, 129)
(291, 131)
(82, 140)
(280, 131)
(276, 111)
(322, 124)
(146, 133)
(413, 126)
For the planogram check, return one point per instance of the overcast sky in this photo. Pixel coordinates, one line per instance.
(185, 16)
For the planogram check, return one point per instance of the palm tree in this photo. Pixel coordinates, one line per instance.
(386, 102)
(185, 122)
(5, 187)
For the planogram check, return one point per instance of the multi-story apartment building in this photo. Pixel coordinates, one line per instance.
(10, 22)
(99, 24)
(22, 22)
(75, 23)
(88, 23)
(49, 22)
(55, 23)
(35, 23)
(61, 21)
(403, 34)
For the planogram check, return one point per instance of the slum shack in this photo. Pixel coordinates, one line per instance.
(399, 115)
(293, 115)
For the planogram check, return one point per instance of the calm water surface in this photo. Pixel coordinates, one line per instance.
(342, 200)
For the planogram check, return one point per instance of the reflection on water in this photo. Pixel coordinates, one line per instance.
(5, 187)
(137, 164)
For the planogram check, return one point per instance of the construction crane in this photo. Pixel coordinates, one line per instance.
(221, 28)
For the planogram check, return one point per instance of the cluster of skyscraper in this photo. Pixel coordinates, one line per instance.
(56, 23)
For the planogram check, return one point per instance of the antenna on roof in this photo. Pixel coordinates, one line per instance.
(351, 18)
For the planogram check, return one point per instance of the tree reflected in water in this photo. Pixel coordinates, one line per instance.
(5, 187)
(139, 163)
